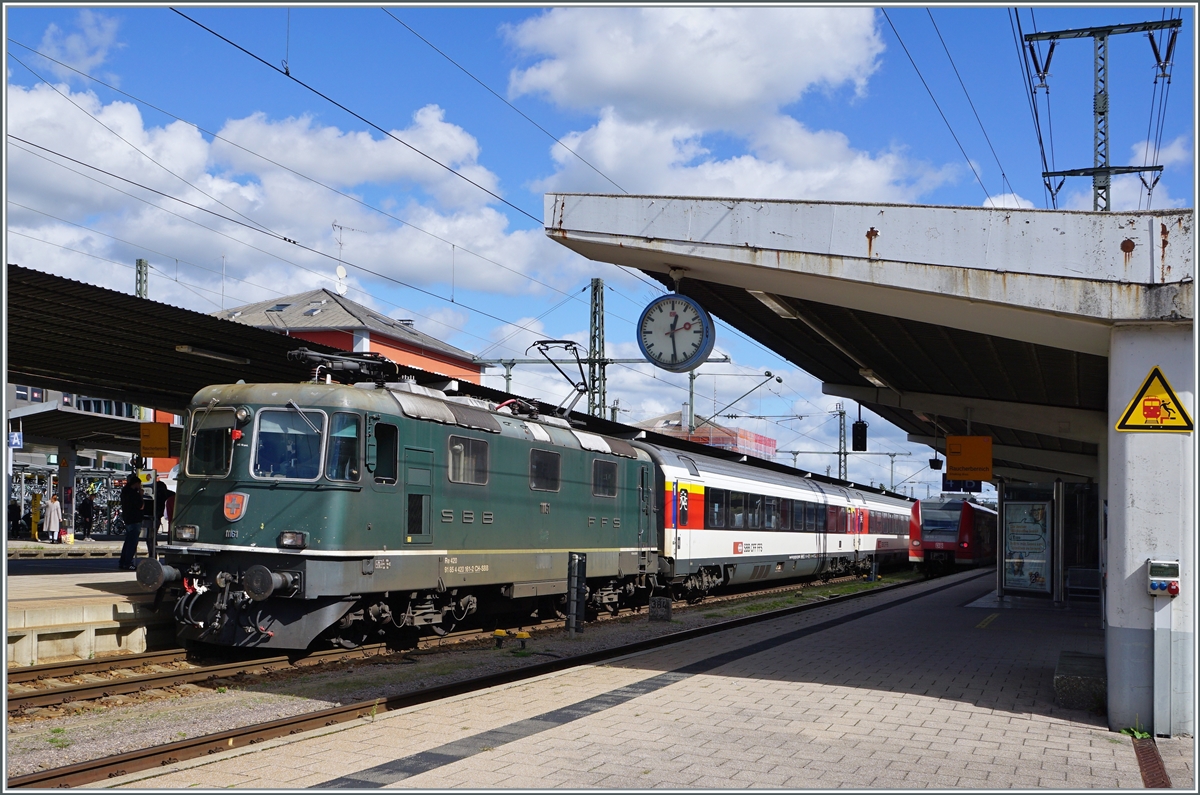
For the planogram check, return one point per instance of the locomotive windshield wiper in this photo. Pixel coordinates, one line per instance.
(294, 405)
(196, 425)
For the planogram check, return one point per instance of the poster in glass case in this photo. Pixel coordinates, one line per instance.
(1027, 546)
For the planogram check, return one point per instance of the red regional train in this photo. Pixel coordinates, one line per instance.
(946, 535)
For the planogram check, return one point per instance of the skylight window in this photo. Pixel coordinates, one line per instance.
(278, 307)
(311, 312)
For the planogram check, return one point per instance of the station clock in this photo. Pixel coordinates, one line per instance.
(676, 333)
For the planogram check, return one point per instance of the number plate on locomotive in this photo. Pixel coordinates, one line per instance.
(231, 532)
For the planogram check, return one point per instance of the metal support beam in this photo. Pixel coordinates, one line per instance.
(1081, 425)
(597, 386)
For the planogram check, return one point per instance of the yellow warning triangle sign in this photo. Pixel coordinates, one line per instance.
(1155, 408)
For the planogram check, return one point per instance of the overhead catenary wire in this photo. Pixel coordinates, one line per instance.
(491, 91)
(135, 147)
(936, 105)
(343, 194)
(1003, 175)
(362, 118)
(1049, 194)
(271, 235)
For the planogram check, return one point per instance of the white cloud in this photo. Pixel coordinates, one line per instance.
(1176, 153)
(1012, 200)
(280, 200)
(785, 161)
(1125, 193)
(85, 49)
(719, 67)
(345, 159)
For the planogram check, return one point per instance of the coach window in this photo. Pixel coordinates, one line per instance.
(387, 449)
(468, 460)
(820, 518)
(737, 510)
(341, 463)
(771, 513)
(754, 511)
(715, 501)
(604, 478)
(810, 517)
(785, 514)
(544, 467)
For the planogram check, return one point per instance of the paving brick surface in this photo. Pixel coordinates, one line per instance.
(915, 696)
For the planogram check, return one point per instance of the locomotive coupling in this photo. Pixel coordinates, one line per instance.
(151, 574)
(260, 582)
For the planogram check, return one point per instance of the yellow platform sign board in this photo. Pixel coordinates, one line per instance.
(969, 457)
(156, 440)
(1155, 408)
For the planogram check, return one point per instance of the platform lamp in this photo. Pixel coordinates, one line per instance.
(935, 463)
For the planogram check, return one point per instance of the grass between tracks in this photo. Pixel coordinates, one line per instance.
(752, 605)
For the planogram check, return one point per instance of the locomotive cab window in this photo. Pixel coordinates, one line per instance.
(468, 460)
(604, 478)
(210, 451)
(544, 469)
(342, 461)
(288, 444)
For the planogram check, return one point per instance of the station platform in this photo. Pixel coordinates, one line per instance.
(909, 688)
(61, 611)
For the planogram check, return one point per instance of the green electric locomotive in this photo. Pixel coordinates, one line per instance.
(335, 513)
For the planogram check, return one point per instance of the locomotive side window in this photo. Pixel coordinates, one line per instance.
(210, 453)
(715, 501)
(469, 461)
(604, 478)
(341, 463)
(544, 468)
(737, 510)
(288, 444)
(387, 449)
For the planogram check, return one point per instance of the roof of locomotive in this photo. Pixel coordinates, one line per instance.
(413, 402)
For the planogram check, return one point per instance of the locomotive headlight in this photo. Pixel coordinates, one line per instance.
(916, 542)
(186, 532)
(243, 414)
(293, 539)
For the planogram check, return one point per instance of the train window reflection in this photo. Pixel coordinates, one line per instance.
(342, 462)
(387, 452)
(715, 502)
(771, 513)
(210, 453)
(737, 510)
(604, 478)
(785, 514)
(754, 511)
(288, 444)
(544, 467)
(468, 460)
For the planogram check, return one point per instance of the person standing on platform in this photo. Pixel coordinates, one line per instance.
(87, 515)
(131, 513)
(14, 519)
(54, 519)
(161, 495)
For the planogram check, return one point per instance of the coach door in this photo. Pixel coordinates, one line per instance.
(418, 496)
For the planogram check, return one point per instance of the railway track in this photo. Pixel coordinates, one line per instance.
(145, 759)
(55, 684)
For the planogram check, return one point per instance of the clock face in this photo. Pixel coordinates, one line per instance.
(675, 333)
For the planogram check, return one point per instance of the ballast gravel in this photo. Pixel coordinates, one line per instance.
(126, 724)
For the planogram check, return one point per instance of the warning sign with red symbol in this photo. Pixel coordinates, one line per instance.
(1155, 408)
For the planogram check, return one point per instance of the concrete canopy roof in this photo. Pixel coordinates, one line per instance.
(49, 423)
(922, 314)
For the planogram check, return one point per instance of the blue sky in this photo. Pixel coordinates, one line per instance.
(776, 103)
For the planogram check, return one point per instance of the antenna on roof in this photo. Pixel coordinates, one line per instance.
(341, 269)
